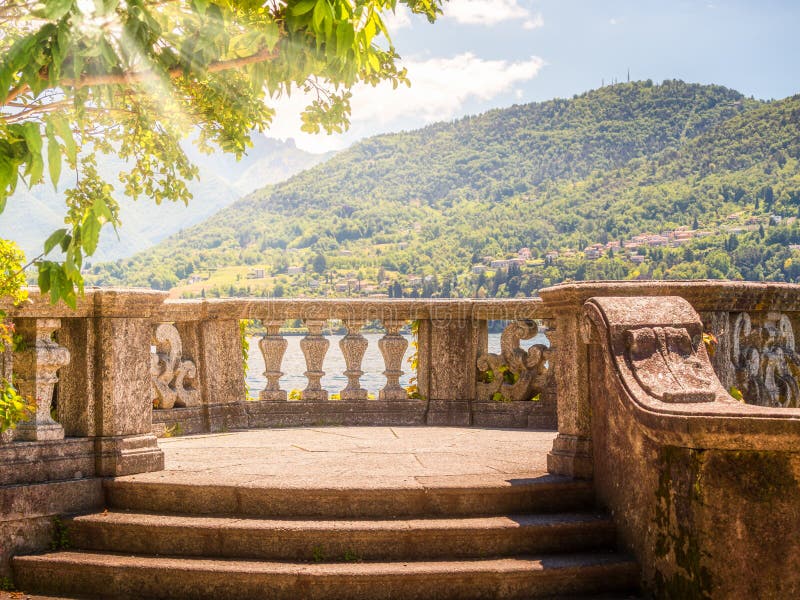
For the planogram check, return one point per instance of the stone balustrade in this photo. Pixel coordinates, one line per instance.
(688, 389)
(452, 364)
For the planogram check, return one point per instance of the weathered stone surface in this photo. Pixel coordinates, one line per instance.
(370, 540)
(35, 365)
(220, 362)
(531, 415)
(174, 377)
(273, 346)
(396, 309)
(314, 346)
(353, 346)
(34, 462)
(27, 512)
(529, 367)
(208, 418)
(77, 410)
(717, 485)
(155, 577)
(571, 454)
(448, 354)
(393, 347)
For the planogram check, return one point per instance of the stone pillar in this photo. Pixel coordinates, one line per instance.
(123, 409)
(447, 372)
(353, 347)
(35, 365)
(76, 386)
(273, 346)
(393, 347)
(314, 347)
(221, 362)
(572, 449)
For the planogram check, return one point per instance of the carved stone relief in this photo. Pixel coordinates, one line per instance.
(174, 378)
(765, 359)
(516, 374)
(666, 365)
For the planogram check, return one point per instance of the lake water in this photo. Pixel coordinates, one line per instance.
(294, 364)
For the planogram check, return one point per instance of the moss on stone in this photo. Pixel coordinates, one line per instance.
(679, 491)
(756, 476)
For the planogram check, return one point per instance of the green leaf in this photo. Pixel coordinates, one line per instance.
(90, 232)
(200, 6)
(63, 130)
(65, 242)
(44, 277)
(54, 239)
(55, 9)
(33, 137)
(320, 13)
(53, 156)
(302, 7)
(35, 169)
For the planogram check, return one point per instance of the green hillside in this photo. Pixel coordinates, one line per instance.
(554, 176)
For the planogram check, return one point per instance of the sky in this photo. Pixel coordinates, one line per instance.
(484, 54)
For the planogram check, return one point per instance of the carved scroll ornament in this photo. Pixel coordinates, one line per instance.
(516, 374)
(765, 360)
(173, 377)
(665, 363)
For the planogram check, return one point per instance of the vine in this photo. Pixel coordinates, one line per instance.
(413, 361)
(13, 407)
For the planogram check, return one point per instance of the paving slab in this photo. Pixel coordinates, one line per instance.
(336, 457)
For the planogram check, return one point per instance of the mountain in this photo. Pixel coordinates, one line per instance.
(31, 215)
(553, 176)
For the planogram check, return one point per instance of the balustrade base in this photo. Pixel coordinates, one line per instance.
(33, 432)
(450, 412)
(338, 412)
(127, 455)
(41, 461)
(273, 395)
(208, 418)
(571, 456)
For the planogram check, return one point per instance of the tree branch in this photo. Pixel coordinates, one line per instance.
(143, 76)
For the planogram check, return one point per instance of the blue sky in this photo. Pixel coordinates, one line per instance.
(492, 53)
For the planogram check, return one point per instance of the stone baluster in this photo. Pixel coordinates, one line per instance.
(393, 347)
(314, 347)
(353, 346)
(35, 365)
(273, 346)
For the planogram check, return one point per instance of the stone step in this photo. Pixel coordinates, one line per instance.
(124, 577)
(308, 540)
(450, 498)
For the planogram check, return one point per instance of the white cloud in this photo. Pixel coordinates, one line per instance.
(399, 19)
(440, 87)
(613, 21)
(485, 12)
(535, 21)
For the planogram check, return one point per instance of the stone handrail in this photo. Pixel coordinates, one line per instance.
(716, 480)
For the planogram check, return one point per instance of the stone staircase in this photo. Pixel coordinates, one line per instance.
(537, 537)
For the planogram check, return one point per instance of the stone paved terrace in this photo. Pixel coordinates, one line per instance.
(354, 456)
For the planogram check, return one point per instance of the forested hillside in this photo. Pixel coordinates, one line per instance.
(420, 212)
